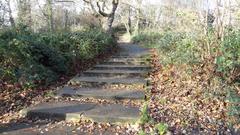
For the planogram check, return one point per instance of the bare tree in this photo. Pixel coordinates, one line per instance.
(125, 14)
(2, 13)
(101, 10)
(136, 29)
(50, 14)
(24, 12)
(10, 13)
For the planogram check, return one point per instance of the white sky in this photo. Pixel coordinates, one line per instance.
(79, 3)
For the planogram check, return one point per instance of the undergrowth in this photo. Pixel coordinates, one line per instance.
(30, 58)
(197, 70)
(32, 63)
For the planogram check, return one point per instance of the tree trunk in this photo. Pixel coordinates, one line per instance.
(50, 15)
(136, 29)
(110, 16)
(110, 20)
(24, 14)
(66, 20)
(10, 14)
(129, 21)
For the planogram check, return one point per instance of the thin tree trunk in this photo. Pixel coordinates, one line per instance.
(136, 29)
(230, 14)
(111, 17)
(129, 21)
(24, 14)
(139, 3)
(50, 15)
(10, 14)
(110, 20)
(66, 20)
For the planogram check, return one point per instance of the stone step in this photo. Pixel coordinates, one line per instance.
(107, 80)
(112, 73)
(133, 54)
(122, 67)
(101, 93)
(75, 111)
(127, 59)
(111, 62)
(114, 113)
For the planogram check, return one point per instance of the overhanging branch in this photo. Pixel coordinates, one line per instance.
(101, 12)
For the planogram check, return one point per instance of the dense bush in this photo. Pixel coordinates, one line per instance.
(148, 38)
(187, 48)
(33, 58)
(215, 61)
(229, 60)
(176, 47)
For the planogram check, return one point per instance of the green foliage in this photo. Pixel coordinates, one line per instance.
(234, 99)
(201, 49)
(144, 115)
(161, 128)
(187, 48)
(40, 58)
(141, 132)
(149, 39)
(175, 47)
(48, 57)
(230, 53)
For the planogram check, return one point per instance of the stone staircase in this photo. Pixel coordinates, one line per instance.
(121, 77)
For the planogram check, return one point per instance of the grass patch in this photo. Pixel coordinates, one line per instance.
(161, 128)
(145, 118)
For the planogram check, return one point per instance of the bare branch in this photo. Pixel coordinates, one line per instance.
(44, 14)
(115, 2)
(101, 12)
(91, 4)
(86, 1)
(115, 5)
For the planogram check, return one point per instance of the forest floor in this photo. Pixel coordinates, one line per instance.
(183, 101)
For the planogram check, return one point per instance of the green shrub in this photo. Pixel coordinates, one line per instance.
(174, 47)
(141, 132)
(234, 99)
(161, 128)
(149, 39)
(48, 57)
(230, 54)
(40, 58)
(144, 114)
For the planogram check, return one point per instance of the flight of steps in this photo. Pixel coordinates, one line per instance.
(121, 77)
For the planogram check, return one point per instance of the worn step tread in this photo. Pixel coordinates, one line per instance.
(122, 66)
(131, 54)
(75, 111)
(124, 62)
(130, 61)
(117, 71)
(101, 93)
(128, 56)
(114, 113)
(126, 59)
(108, 80)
